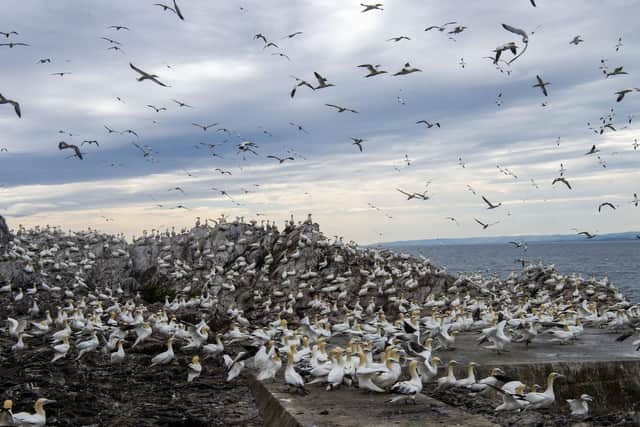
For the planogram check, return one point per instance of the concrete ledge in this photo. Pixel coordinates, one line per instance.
(352, 407)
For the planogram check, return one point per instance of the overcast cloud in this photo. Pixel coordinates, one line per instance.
(212, 62)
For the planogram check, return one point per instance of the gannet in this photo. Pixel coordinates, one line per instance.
(37, 419)
(365, 373)
(6, 416)
(450, 379)
(194, 369)
(408, 388)
(270, 368)
(394, 370)
(485, 383)
(213, 350)
(86, 346)
(546, 398)
(470, 379)
(118, 355)
(512, 401)
(166, 356)
(580, 406)
(291, 377)
(60, 350)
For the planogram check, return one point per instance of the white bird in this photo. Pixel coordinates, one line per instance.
(450, 379)
(234, 367)
(580, 406)
(37, 419)
(60, 350)
(164, 357)
(270, 368)
(410, 387)
(86, 346)
(547, 397)
(118, 355)
(291, 377)
(213, 350)
(366, 373)
(512, 401)
(194, 369)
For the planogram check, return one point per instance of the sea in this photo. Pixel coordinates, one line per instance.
(619, 260)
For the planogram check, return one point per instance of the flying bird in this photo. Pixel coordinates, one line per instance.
(440, 28)
(300, 128)
(292, 35)
(203, 127)
(407, 69)
(129, 131)
(562, 180)
(605, 204)
(485, 226)
(373, 69)
(621, 94)
(9, 33)
(587, 234)
(368, 7)
(280, 159)
(341, 109)
(223, 172)
(157, 110)
(16, 106)
(593, 150)
(111, 41)
(635, 200)
(322, 81)
(60, 74)
(181, 104)
(397, 39)
(119, 27)
(491, 205)
(175, 9)
(358, 142)
(146, 76)
(93, 141)
(176, 189)
(542, 85)
(63, 146)
(576, 40)
(109, 130)
(518, 31)
(44, 61)
(11, 45)
(616, 71)
(428, 124)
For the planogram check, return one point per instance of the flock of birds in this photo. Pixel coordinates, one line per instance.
(244, 147)
(320, 311)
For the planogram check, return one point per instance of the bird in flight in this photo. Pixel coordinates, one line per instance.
(592, 151)
(9, 33)
(63, 146)
(399, 38)
(93, 141)
(181, 104)
(452, 219)
(119, 27)
(300, 83)
(428, 124)
(616, 71)
(109, 130)
(341, 109)
(373, 69)
(129, 131)
(542, 85)
(223, 172)
(518, 31)
(203, 127)
(587, 234)
(491, 205)
(621, 94)
(11, 44)
(605, 204)
(322, 81)
(358, 142)
(440, 28)
(562, 180)
(111, 41)
(487, 225)
(157, 110)
(146, 76)
(280, 159)
(63, 73)
(576, 40)
(292, 35)
(414, 195)
(16, 106)
(407, 69)
(176, 189)
(368, 7)
(175, 9)
(44, 61)
(635, 200)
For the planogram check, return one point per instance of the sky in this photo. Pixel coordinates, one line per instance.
(491, 120)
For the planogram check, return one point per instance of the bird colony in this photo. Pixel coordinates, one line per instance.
(229, 299)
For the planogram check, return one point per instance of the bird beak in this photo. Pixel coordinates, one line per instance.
(49, 401)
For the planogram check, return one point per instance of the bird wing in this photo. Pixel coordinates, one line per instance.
(487, 202)
(138, 70)
(511, 29)
(177, 10)
(479, 222)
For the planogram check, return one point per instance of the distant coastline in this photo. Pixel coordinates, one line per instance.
(552, 238)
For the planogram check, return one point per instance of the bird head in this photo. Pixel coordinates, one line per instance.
(586, 397)
(435, 360)
(195, 359)
(8, 404)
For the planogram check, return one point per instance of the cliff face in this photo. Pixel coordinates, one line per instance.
(5, 234)
(261, 270)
